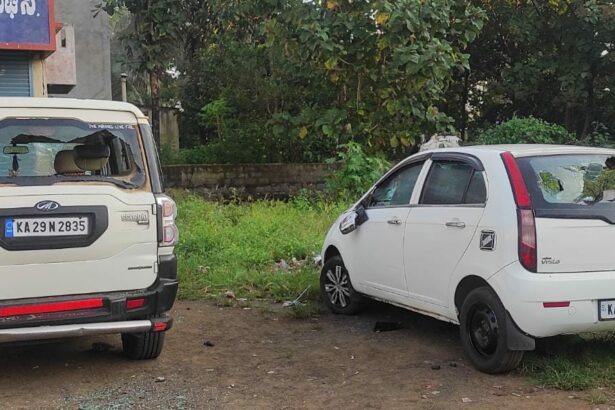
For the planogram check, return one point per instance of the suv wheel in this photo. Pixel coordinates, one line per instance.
(336, 289)
(483, 332)
(142, 346)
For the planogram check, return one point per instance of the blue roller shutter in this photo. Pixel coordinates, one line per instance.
(15, 75)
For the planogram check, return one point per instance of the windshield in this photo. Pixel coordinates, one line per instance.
(570, 181)
(46, 151)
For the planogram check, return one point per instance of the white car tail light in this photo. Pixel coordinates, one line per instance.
(525, 214)
(167, 212)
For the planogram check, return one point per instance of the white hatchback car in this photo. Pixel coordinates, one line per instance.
(509, 242)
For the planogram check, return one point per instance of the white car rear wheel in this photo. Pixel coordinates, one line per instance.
(483, 332)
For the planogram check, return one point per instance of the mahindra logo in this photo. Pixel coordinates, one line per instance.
(47, 206)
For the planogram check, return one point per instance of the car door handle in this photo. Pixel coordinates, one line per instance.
(394, 221)
(456, 224)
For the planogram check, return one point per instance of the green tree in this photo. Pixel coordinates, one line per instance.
(151, 43)
(387, 64)
(550, 59)
(305, 77)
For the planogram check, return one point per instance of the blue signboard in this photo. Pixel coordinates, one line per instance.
(27, 25)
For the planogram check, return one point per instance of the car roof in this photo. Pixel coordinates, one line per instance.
(526, 150)
(69, 103)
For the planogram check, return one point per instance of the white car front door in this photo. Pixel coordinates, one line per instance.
(375, 260)
(441, 226)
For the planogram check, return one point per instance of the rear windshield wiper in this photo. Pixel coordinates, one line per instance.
(56, 179)
(119, 182)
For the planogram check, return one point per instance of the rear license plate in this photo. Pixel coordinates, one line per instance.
(606, 309)
(37, 227)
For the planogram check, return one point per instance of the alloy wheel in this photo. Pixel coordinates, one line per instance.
(337, 286)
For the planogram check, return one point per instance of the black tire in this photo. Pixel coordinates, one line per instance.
(336, 288)
(483, 332)
(142, 346)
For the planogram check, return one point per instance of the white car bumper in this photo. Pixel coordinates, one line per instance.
(524, 293)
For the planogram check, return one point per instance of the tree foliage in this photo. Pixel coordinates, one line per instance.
(292, 80)
(314, 75)
(387, 64)
(549, 59)
(149, 43)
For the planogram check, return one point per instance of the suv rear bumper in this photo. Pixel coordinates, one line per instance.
(523, 294)
(87, 314)
(84, 329)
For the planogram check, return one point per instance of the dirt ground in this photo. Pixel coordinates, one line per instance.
(262, 358)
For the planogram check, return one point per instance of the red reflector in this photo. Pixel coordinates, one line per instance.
(159, 327)
(51, 307)
(135, 303)
(522, 196)
(555, 304)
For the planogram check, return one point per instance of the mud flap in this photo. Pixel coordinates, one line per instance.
(515, 338)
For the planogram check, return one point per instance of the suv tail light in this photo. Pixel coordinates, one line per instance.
(168, 234)
(525, 214)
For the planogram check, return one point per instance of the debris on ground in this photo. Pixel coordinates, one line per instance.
(387, 326)
(203, 269)
(160, 379)
(298, 263)
(282, 265)
(318, 260)
(466, 400)
(297, 301)
(208, 344)
(230, 294)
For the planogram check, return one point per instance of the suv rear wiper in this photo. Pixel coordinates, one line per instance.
(118, 182)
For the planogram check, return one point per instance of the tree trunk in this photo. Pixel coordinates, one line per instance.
(154, 82)
(589, 105)
(464, 103)
(568, 117)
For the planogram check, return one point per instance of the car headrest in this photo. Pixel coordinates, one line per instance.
(92, 157)
(64, 163)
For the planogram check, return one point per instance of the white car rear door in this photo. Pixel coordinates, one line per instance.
(440, 227)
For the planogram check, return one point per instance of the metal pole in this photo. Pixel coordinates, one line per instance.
(124, 92)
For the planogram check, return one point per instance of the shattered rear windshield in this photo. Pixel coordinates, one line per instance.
(570, 181)
(38, 151)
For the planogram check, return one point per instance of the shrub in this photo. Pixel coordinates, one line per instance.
(168, 155)
(599, 137)
(527, 130)
(358, 171)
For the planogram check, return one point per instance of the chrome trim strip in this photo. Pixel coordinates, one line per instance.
(83, 329)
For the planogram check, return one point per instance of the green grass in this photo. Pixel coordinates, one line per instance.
(234, 247)
(573, 362)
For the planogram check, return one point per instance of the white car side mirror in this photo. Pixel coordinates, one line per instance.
(353, 220)
(349, 223)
